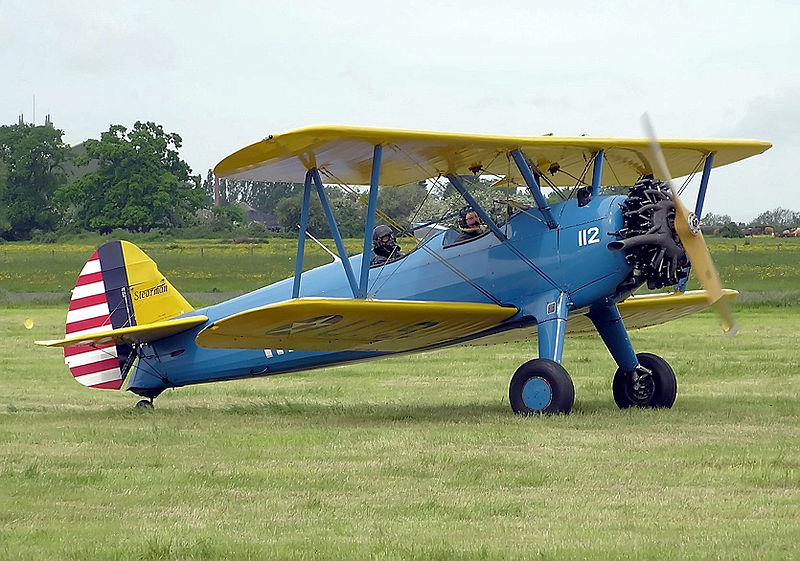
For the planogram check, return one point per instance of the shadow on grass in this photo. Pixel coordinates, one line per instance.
(337, 413)
(351, 413)
(371, 414)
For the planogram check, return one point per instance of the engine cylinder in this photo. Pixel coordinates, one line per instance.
(648, 237)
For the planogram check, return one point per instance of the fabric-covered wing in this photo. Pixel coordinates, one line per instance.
(129, 335)
(652, 309)
(637, 312)
(344, 155)
(332, 324)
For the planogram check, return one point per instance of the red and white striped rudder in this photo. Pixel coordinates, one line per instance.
(99, 365)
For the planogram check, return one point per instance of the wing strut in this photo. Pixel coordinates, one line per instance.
(301, 240)
(377, 155)
(459, 185)
(597, 173)
(312, 176)
(701, 194)
(533, 186)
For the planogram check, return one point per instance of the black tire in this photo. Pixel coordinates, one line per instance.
(144, 404)
(541, 386)
(656, 390)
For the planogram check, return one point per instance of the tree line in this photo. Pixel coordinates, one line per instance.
(778, 219)
(129, 179)
(135, 180)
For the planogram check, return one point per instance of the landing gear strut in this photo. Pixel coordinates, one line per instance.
(651, 384)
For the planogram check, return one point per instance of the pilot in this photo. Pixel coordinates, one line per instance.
(384, 246)
(470, 226)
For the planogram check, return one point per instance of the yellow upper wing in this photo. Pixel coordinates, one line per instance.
(344, 155)
(333, 324)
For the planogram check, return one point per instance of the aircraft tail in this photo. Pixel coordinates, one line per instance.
(118, 287)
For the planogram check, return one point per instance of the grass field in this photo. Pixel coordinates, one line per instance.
(410, 458)
(192, 265)
(417, 457)
(764, 265)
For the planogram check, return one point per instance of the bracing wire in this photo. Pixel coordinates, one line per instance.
(691, 175)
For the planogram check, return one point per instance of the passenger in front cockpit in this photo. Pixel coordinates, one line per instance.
(470, 226)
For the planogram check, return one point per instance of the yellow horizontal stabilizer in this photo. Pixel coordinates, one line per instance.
(331, 324)
(130, 335)
(344, 155)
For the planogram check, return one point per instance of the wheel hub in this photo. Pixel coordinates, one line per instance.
(537, 393)
(642, 385)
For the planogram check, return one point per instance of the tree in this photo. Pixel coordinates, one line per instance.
(349, 214)
(401, 203)
(712, 220)
(731, 230)
(288, 212)
(140, 182)
(208, 185)
(265, 195)
(5, 224)
(31, 159)
(780, 219)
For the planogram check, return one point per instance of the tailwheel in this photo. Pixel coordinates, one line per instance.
(651, 384)
(541, 386)
(145, 404)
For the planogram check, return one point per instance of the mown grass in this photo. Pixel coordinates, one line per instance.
(757, 264)
(192, 265)
(416, 457)
(207, 271)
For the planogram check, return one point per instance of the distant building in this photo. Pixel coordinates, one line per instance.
(255, 216)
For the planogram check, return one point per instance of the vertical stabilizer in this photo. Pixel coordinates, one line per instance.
(118, 287)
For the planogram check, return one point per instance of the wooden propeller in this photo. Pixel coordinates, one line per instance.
(687, 226)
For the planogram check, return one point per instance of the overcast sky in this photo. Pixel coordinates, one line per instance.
(225, 74)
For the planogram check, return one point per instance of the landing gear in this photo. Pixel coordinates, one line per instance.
(651, 384)
(145, 404)
(541, 386)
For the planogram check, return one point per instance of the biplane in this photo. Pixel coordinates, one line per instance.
(538, 272)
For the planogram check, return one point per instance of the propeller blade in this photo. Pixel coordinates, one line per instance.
(687, 226)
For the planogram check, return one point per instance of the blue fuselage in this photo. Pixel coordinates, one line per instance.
(571, 260)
